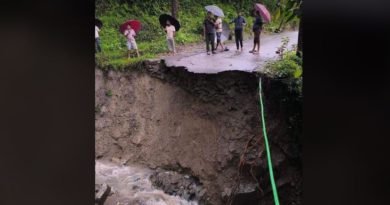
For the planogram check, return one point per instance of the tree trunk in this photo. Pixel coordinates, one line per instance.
(175, 9)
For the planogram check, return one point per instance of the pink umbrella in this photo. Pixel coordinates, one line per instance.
(263, 12)
(136, 25)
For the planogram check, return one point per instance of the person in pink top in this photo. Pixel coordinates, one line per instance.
(131, 44)
(219, 29)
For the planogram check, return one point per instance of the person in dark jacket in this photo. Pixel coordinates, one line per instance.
(239, 23)
(257, 27)
(209, 32)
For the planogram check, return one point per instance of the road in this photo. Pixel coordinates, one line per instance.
(199, 62)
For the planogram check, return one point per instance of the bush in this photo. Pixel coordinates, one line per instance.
(289, 70)
(285, 68)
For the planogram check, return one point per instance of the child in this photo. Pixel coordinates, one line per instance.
(97, 39)
(209, 30)
(131, 44)
(171, 32)
(218, 26)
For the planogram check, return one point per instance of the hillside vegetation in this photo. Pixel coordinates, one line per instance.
(151, 39)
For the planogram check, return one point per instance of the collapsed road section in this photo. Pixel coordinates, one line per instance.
(203, 129)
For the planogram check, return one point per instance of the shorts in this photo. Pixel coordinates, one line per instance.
(219, 36)
(131, 45)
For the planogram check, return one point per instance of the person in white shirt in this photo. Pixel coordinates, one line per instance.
(171, 31)
(218, 26)
(131, 44)
(97, 39)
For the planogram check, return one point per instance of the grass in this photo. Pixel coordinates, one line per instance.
(151, 39)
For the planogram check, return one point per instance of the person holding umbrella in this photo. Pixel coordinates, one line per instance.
(171, 26)
(239, 23)
(208, 32)
(131, 43)
(171, 32)
(257, 27)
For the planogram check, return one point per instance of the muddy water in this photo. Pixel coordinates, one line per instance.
(131, 186)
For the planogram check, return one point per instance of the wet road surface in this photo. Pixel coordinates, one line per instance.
(199, 62)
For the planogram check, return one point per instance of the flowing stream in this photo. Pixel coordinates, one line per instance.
(131, 186)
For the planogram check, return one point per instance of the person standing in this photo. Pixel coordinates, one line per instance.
(208, 31)
(171, 32)
(239, 23)
(218, 26)
(131, 44)
(257, 27)
(97, 39)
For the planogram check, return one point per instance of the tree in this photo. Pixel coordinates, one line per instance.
(286, 12)
(175, 8)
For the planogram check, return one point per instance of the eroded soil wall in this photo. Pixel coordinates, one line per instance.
(199, 124)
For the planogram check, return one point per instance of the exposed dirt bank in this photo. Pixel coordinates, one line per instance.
(199, 125)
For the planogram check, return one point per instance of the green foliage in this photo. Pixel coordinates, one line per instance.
(109, 93)
(283, 47)
(285, 13)
(284, 68)
(289, 70)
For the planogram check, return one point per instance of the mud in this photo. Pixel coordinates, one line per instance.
(198, 125)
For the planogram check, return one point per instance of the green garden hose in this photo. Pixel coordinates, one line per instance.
(271, 174)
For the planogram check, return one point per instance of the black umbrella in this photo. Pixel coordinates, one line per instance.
(165, 17)
(98, 23)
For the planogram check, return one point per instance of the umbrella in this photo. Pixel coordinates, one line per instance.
(136, 25)
(163, 21)
(98, 23)
(215, 10)
(263, 12)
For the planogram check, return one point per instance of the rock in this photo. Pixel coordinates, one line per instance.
(136, 140)
(101, 193)
(231, 108)
(116, 160)
(103, 109)
(186, 196)
(232, 147)
(246, 194)
(202, 193)
(277, 156)
(174, 183)
(247, 188)
(226, 193)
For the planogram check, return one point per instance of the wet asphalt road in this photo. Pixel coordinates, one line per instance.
(199, 62)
